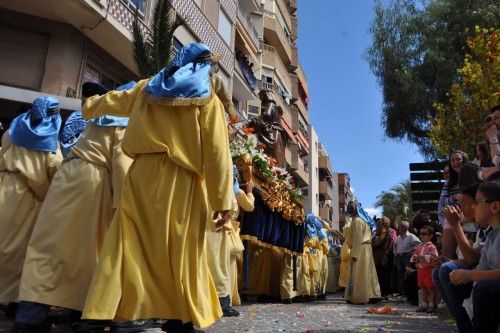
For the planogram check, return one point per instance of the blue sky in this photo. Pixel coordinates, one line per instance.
(345, 100)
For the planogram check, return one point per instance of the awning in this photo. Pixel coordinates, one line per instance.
(288, 130)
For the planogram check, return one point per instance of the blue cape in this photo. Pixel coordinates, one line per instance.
(38, 128)
(72, 131)
(112, 121)
(364, 215)
(190, 80)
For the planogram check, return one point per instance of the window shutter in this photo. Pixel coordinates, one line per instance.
(23, 55)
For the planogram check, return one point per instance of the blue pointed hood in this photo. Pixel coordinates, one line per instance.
(38, 128)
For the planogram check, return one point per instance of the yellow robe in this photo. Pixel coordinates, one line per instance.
(323, 273)
(286, 281)
(153, 263)
(362, 280)
(25, 177)
(259, 274)
(246, 201)
(307, 269)
(345, 251)
(314, 265)
(303, 274)
(66, 241)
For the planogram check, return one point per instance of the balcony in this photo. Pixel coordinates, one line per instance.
(112, 20)
(299, 166)
(302, 108)
(325, 163)
(326, 213)
(248, 27)
(301, 174)
(274, 34)
(326, 189)
(271, 58)
(344, 180)
(303, 80)
(294, 60)
(245, 69)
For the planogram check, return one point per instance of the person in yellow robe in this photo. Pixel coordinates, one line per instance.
(345, 252)
(65, 243)
(303, 274)
(323, 249)
(153, 263)
(29, 158)
(308, 262)
(245, 200)
(362, 281)
(222, 244)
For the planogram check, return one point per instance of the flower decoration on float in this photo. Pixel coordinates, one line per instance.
(276, 184)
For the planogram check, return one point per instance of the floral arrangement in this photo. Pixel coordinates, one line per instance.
(278, 189)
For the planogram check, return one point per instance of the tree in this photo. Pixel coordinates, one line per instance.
(458, 123)
(417, 47)
(153, 51)
(396, 203)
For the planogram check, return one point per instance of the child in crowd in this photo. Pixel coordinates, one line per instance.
(425, 256)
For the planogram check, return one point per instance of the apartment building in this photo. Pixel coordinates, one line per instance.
(322, 195)
(345, 195)
(53, 46)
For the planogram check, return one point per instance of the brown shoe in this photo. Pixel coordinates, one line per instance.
(421, 309)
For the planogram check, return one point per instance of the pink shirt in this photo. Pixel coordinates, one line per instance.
(430, 252)
(393, 235)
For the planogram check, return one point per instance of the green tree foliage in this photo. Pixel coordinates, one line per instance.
(416, 49)
(459, 122)
(153, 51)
(396, 203)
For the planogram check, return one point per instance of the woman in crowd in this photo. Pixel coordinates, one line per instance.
(448, 197)
(383, 255)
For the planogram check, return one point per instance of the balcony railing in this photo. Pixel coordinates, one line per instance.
(123, 12)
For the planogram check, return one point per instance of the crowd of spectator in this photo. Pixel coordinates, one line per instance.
(454, 260)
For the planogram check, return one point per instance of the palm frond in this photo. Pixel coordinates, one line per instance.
(155, 51)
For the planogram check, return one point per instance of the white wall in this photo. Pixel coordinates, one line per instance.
(312, 201)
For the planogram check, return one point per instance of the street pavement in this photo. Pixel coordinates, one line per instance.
(330, 315)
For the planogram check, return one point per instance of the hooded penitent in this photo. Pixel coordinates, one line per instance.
(187, 76)
(72, 131)
(38, 128)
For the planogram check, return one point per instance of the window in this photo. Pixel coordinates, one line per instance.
(177, 45)
(225, 27)
(253, 110)
(23, 55)
(135, 4)
(267, 79)
(92, 74)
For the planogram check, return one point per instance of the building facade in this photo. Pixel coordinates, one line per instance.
(322, 195)
(52, 47)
